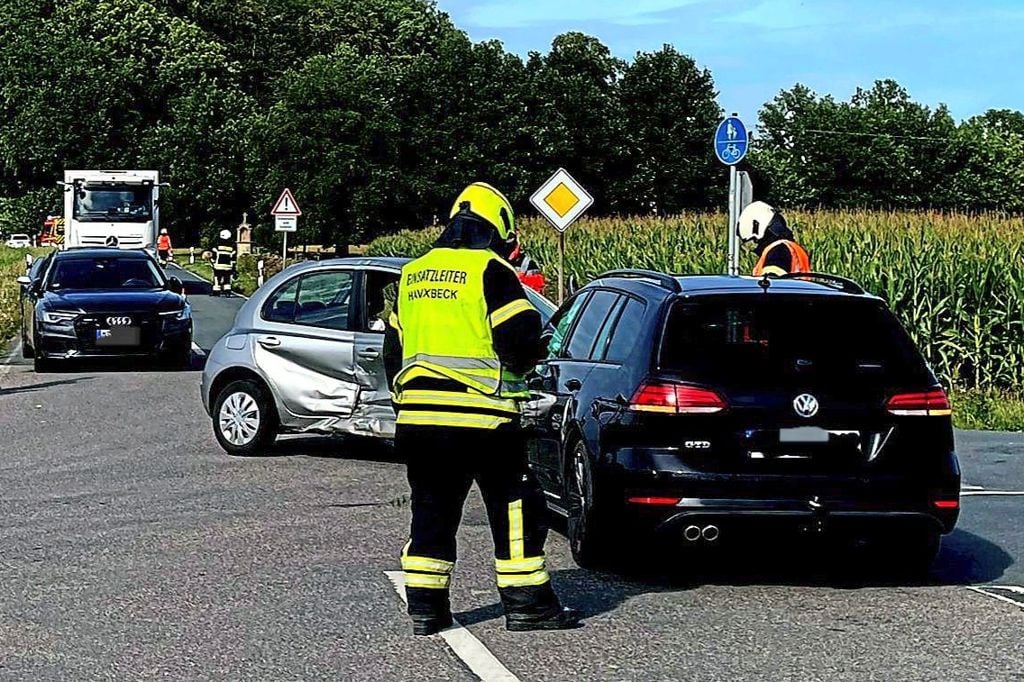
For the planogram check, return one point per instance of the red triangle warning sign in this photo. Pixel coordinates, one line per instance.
(286, 205)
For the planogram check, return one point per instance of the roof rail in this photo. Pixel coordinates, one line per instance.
(662, 279)
(843, 283)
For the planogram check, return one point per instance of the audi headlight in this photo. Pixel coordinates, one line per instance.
(59, 317)
(180, 315)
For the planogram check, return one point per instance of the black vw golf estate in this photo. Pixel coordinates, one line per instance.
(95, 302)
(701, 407)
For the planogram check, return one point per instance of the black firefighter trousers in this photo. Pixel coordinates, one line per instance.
(443, 462)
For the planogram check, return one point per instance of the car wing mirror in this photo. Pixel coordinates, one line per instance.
(24, 281)
(174, 285)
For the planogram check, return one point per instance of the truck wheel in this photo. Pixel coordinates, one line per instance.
(244, 418)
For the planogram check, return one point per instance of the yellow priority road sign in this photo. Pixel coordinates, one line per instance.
(561, 200)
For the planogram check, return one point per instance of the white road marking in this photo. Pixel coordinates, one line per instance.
(972, 493)
(993, 591)
(6, 366)
(197, 350)
(471, 650)
(205, 280)
(965, 486)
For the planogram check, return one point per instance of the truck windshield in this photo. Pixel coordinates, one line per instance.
(114, 203)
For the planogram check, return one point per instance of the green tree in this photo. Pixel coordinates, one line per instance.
(670, 114)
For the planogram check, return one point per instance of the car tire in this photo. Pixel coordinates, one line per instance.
(588, 529)
(244, 418)
(42, 365)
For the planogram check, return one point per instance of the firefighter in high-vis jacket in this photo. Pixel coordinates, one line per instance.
(224, 255)
(456, 352)
(778, 252)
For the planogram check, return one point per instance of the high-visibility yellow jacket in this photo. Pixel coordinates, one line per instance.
(451, 373)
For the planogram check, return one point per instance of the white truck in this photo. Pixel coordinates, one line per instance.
(112, 208)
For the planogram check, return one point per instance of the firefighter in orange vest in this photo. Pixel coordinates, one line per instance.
(163, 247)
(778, 253)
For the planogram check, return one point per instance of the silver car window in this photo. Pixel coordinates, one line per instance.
(325, 300)
(280, 307)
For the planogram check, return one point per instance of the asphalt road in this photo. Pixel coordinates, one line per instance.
(131, 547)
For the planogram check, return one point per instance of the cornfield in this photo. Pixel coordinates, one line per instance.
(956, 281)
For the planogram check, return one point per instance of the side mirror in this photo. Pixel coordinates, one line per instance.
(24, 281)
(174, 285)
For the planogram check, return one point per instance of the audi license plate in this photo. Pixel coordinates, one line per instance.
(118, 336)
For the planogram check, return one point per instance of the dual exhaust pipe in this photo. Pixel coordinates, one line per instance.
(709, 533)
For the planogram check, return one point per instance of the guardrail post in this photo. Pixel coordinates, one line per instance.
(191, 255)
(259, 267)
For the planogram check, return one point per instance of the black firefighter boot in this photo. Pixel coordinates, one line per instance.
(429, 609)
(536, 608)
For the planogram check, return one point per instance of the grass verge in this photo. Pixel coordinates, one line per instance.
(988, 410)
(12, 266)
(245, 281)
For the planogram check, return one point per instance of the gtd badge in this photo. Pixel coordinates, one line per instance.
(805, 405)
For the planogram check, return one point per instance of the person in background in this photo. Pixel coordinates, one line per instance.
(163, 247)
(224, 256)
(777, 250)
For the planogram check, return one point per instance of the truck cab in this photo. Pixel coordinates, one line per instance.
(112, 208)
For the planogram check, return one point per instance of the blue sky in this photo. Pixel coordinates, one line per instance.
(967, 54)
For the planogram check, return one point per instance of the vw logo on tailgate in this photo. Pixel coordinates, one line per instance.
(805, 405)
(119, 321)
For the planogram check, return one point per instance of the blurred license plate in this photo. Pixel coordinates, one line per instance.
(118, 336)
(803, 434)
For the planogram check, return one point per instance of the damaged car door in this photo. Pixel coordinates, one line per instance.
(306, 345)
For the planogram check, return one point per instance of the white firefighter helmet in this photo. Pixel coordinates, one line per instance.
(163, 230)
(225, 234)
(754, 221)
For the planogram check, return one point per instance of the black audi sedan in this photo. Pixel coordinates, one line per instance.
(704, 408)
(94, 302)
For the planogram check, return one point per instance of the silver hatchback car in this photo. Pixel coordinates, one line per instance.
(305, 355)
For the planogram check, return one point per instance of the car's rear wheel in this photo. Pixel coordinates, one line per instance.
(244, 419)
(588, 529)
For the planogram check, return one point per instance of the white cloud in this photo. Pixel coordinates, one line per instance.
(520, 13)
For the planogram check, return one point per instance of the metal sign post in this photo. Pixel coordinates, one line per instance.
(731, 146)
(561, 200)
(286, 214)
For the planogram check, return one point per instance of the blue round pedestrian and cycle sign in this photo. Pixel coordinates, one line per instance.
(731, 141)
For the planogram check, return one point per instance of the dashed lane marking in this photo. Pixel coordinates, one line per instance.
(468, 648)
(991, 493)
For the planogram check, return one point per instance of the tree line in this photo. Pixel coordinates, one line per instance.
(376, 112)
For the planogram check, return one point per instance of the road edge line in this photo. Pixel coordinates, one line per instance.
(233, 293)
(470, 650)
(6, 367)
(983, 591)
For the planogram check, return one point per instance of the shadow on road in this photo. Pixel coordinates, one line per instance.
(127, 365)
(965, 559)
(336, 447)
(195, 287)
(38, 387)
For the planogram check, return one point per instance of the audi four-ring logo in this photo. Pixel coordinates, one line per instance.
(806, 405)
(119, 321)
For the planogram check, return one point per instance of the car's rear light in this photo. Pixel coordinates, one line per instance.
(946, 504)
(677, 399)
(655, 501)
(932, 403)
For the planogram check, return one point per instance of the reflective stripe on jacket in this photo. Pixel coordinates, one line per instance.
(224, 257)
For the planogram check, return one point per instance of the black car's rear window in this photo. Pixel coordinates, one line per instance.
(787, 341)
